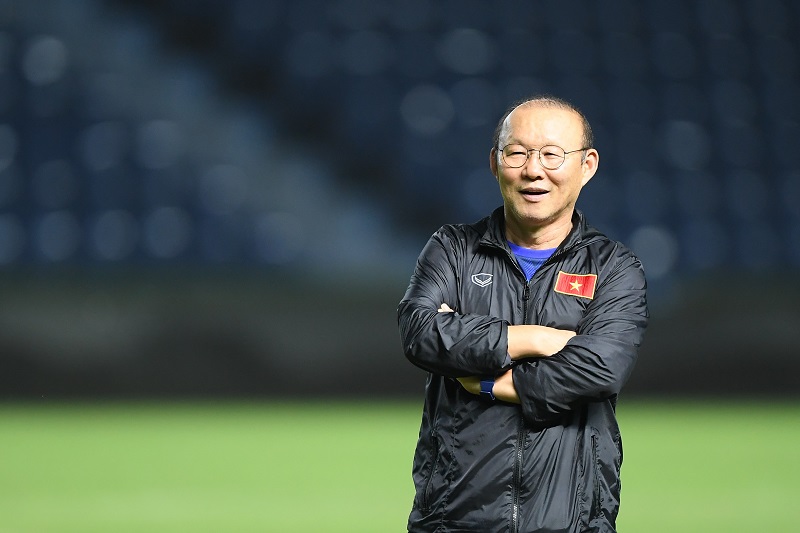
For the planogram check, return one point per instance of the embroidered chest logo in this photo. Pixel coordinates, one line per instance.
(581, 285)
(482, 280)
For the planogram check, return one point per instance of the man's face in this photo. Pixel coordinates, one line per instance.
(535, 197)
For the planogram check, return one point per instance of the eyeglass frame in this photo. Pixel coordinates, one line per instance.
(529, 150)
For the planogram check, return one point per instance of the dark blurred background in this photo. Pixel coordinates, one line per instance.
(204, 198)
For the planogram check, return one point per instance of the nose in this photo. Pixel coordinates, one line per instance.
(533, 166)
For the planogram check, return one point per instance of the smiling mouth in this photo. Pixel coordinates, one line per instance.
(533, 193)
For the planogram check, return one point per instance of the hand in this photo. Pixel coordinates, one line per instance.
(552, 340)
(504, 387)
(444, 308)
(471, 384)
(530, 340)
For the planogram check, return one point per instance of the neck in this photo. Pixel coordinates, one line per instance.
(539, 238)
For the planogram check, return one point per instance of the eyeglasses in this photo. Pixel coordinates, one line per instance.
(550, 156)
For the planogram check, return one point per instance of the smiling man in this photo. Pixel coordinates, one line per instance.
(529, 323)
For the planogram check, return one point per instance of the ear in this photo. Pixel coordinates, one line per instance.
(589, 166)
(493, 161)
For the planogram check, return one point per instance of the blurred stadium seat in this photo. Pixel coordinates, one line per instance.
(152, 131)
(326, 140)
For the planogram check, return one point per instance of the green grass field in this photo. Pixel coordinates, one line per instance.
(345, 467)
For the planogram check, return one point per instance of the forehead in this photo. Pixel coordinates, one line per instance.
(541, 125)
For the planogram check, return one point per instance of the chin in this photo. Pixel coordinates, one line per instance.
(529, 221)
(532, 216)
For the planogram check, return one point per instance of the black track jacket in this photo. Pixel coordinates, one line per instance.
(553, 462)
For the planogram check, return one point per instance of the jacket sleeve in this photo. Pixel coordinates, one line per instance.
(448, 344)
(595, 364)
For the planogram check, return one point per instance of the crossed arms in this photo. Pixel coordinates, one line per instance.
(554, 370)
(523, 341)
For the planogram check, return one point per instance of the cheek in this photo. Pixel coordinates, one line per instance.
(504, 181)
(507, 189)
(568, 184)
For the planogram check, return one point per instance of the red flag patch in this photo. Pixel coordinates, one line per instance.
(576, 284)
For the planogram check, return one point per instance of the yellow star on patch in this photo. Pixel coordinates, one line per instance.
(575, 286)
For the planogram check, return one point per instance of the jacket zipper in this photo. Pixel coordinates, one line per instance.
(517, 481)
(516, 484)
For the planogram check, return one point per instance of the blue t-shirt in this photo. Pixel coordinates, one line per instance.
(530, 260)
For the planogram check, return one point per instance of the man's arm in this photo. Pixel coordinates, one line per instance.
(460, 344)
(529, 340)
(523, 341)
(595, 364)
(451, 344)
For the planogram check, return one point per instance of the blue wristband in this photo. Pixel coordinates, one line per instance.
(486, 388)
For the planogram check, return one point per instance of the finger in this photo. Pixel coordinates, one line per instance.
(445, 309)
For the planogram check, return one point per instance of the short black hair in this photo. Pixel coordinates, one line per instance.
(547, 100)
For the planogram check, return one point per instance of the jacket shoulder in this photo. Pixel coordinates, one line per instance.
(602, 244)
(615, 259)
(462, 235)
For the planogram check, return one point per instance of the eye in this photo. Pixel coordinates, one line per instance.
(515, 155)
